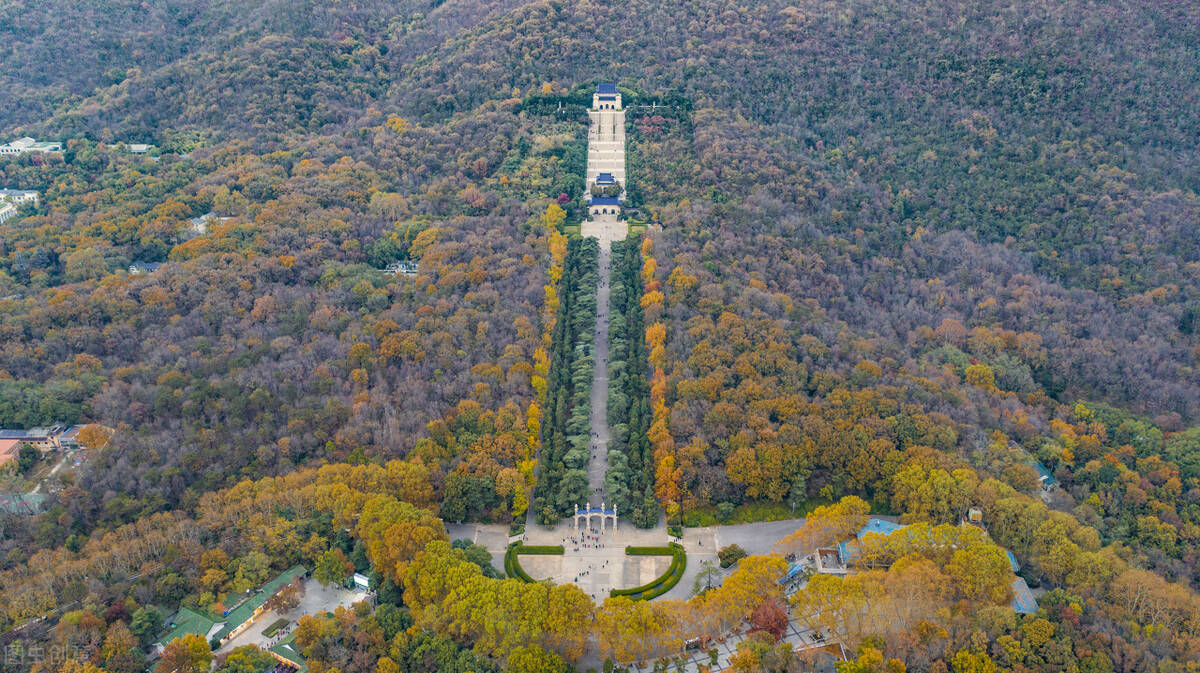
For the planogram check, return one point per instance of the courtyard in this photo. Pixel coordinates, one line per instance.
(317, 598)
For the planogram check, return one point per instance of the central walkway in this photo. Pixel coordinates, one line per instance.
(598, 462)
(606, 186)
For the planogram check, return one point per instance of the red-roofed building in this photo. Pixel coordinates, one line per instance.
(9, 448)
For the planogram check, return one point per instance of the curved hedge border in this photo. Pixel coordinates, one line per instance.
(512, 566)
(661, 584)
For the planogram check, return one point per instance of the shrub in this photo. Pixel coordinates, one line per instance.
(730, 554)
(725, 511)
(274, 627)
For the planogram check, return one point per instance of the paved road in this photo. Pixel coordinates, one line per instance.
(598, 462)
(756, 538)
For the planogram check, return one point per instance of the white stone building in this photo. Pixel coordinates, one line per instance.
(27, 144)
(19, 196)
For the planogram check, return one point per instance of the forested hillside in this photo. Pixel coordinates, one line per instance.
(898, 252)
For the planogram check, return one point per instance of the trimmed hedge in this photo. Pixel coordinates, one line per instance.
(661, 584)
(540, 550)
(649, 551)
(512, 566)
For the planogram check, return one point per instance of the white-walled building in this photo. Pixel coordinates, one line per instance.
(11, 198)
(19, 196)
(27, 144)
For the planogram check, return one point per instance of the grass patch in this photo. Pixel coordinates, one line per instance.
(274, 627)
(512, 565)
(664, 582)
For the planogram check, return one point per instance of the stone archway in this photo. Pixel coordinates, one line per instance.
(605, 516)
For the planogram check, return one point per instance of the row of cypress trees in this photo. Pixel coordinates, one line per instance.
(562, 480)
(630, 478)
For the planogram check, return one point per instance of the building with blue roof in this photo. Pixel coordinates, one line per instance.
(605, 166)
(850, 551)
(1023, 601)
(606, 97)
(879, 526)
(1047, 480)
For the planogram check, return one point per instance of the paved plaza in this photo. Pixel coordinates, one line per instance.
(599, 565)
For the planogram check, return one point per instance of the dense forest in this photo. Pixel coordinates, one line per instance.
(900, 253)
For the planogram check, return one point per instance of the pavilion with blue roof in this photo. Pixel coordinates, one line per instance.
(606, 97)
(605, 205)
(1047, 480)
(849, 549)
(1023, 601)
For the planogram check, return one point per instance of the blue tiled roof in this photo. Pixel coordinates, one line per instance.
(607, 97)
(1023, 600)
(879, 526)
(848, 551)
(1012, 561)
(606, 88)
(795, 569)
(605, 201)
(1044, 473)
(605, 178)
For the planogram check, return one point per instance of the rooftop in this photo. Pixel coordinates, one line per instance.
(28, 143)
(285, 649)
(605, 179)
(9, 448)
(144, 267)
(71, 434)
(849, 549)
(879, 526)
(32, 434)
(606, 88)
(1044, 475)
(605, 201)
(1023, 600)
(245, 611)
(22, 503)
(184, 622)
